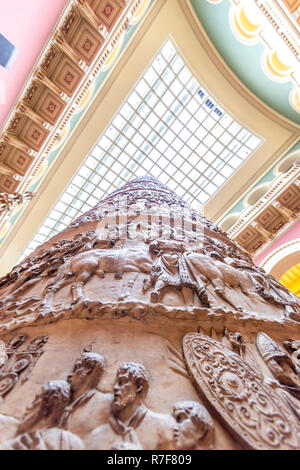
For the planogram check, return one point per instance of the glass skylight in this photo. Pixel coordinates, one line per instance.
(170, 128)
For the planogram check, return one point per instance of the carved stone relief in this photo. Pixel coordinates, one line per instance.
(293, 347)
(195, 428)
(280, 363)
(39, 428)
(168, 264)
(236, 342)
(134, 287)
(88, 407)
(170, 270)
(16, 361)
(247, 406)
(74, 414)
(81, 267)
(133, 425)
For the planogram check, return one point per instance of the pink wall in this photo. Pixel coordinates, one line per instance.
(27, 24)
(292, 234)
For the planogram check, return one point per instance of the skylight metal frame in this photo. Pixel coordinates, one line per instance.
(169, 127)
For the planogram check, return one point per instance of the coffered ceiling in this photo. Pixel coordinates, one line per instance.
(27, 25)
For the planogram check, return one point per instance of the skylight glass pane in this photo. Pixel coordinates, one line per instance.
(169, 128)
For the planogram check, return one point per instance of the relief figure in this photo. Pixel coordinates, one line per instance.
(266, 286)
(293, 347)
(88, 407)
(131, 423)
(280, 363)
(170, 270)
(39, 428)
(254, 414)
(18, 363)
(219, 275)
(194, 427)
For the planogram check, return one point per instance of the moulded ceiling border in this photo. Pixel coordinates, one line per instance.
(226, 70)
(282, 258)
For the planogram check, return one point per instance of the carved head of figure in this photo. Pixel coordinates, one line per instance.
(131, 385)
(293, 347)
(86, 372)
(194, 428)
(47, 407)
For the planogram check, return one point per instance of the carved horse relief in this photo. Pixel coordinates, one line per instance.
(79, 270)
(219, 275)
(251, 410)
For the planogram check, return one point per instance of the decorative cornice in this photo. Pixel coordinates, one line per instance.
(273, 212)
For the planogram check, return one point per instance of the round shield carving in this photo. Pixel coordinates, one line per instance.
(252, 411)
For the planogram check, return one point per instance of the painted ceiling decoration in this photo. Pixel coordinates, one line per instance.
(259, 39)
(80, 53)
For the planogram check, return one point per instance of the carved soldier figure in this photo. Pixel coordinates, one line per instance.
(89, 407)
(236, 341)
(221, 273)
(169, 270)
(131, 421)
(194, 427)
(44, 265)
(38, 430)
(279, 363)
(266, 286)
